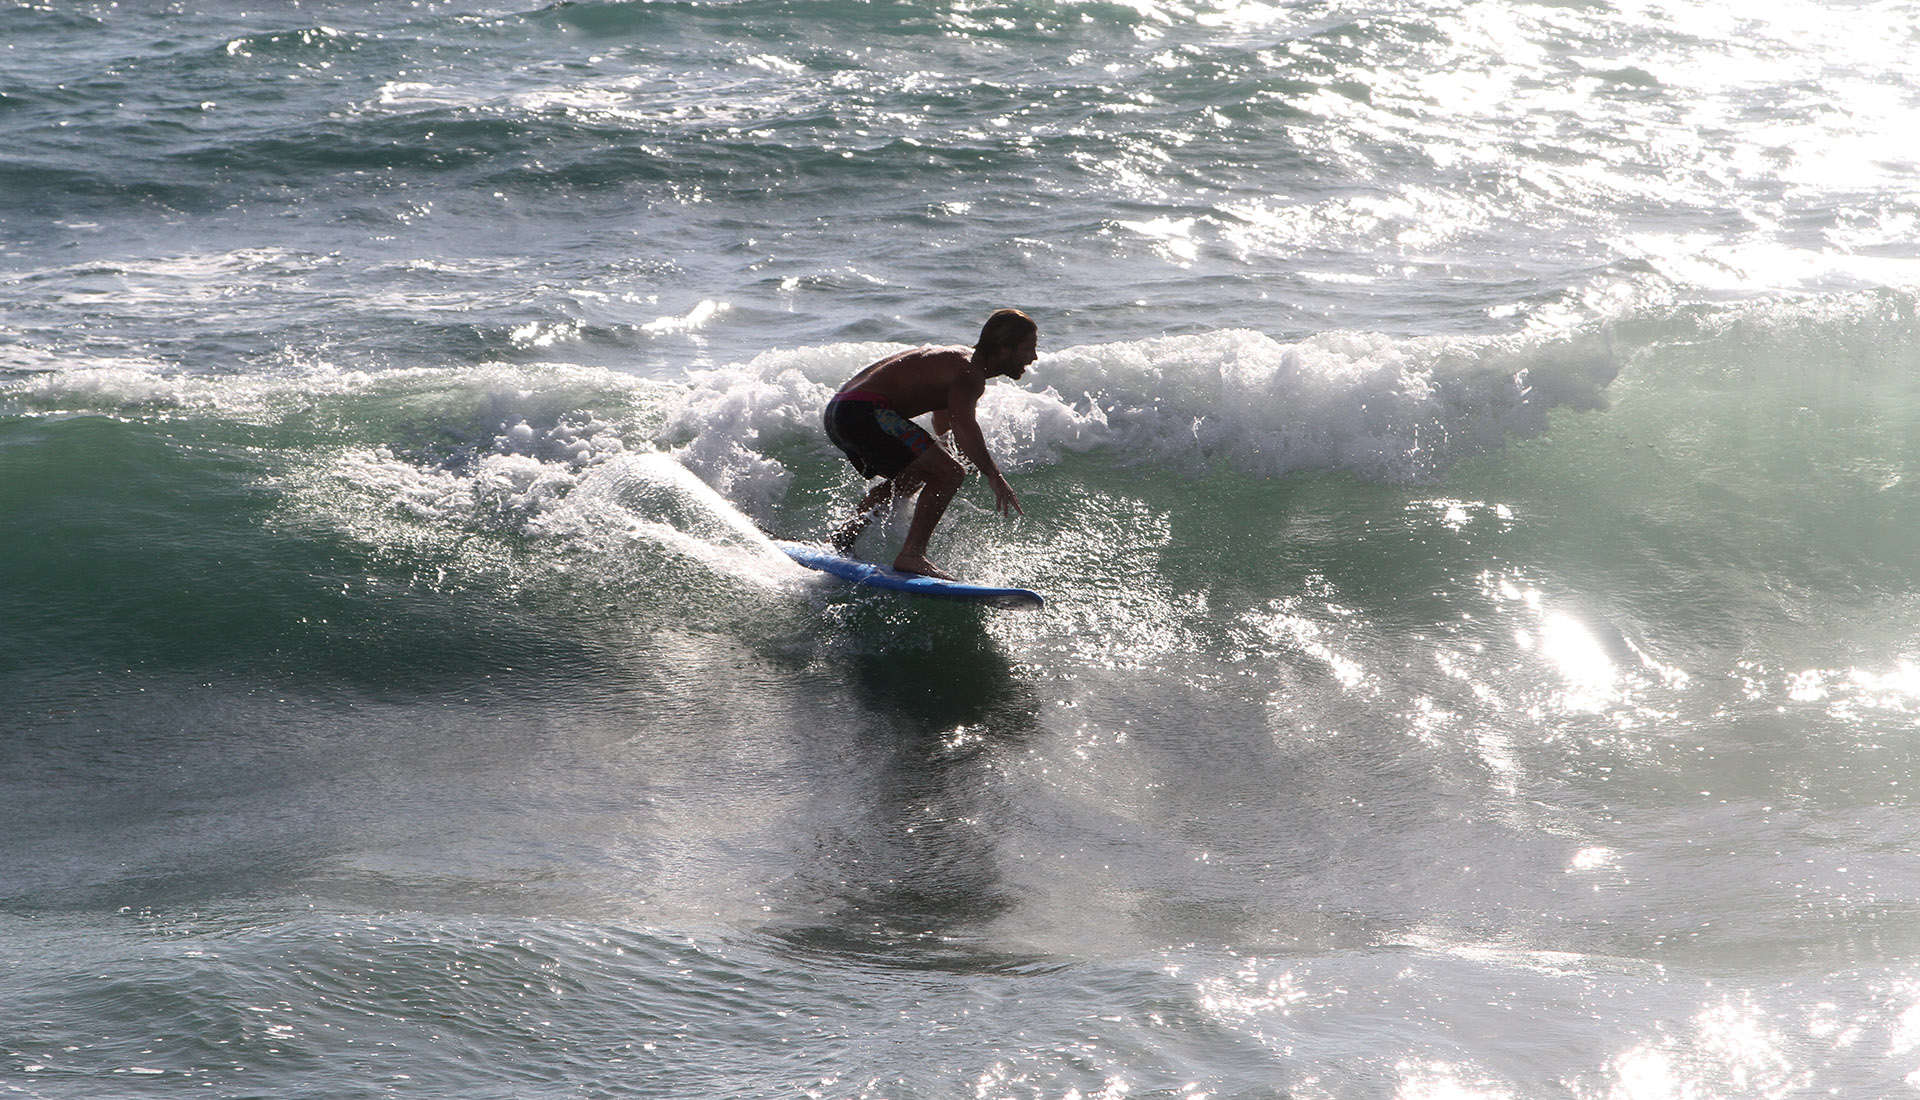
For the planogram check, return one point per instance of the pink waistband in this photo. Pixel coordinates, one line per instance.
(868, 396)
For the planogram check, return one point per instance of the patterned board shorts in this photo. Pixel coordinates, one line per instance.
(878, 441)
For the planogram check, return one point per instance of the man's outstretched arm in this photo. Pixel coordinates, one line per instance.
(973, 444)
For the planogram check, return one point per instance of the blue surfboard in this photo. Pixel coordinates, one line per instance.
(879, 576)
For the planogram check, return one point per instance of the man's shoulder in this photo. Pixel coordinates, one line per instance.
(945, 356)
(944, 364)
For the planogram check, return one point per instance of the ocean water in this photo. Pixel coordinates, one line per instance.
(1471, 462)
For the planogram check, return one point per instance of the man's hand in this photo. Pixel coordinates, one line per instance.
(1005, 500)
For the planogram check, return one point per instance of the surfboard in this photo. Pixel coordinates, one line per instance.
(879, 576)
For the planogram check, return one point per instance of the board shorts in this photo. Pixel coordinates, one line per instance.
(878, 441)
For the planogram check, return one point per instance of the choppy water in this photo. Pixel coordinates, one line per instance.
(1471, 463)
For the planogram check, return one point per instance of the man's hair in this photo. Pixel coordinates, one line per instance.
(1004, 329)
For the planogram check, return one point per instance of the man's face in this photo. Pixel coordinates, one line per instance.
(1016, 357)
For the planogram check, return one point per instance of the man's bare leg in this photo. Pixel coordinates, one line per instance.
(938, 477)
(842, 537)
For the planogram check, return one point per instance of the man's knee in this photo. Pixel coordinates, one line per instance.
(943, 473)
(934, 470)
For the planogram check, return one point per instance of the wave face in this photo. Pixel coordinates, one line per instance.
(1471, 465)
(1428, 663)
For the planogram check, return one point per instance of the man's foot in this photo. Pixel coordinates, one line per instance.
(918, 564)
(843, 537)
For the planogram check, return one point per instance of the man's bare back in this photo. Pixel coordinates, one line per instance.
(919, 380)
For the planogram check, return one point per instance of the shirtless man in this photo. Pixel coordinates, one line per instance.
(871, 419)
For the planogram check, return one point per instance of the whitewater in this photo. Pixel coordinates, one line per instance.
(1471, 465)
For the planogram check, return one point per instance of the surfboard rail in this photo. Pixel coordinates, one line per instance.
(815, 556)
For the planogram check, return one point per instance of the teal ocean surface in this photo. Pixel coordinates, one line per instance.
(1473, 465)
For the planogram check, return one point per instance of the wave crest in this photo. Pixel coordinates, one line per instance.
(1374, 406)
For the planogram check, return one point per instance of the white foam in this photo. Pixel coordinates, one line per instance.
(581, 460)
(555, 457)
(1376, 406)
(724, 421)
(1372, 405)
(132, 387)
(692, 321)
(414, 95)
(606, 517)
(650, 497)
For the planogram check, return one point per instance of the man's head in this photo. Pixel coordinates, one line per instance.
(1008, 342)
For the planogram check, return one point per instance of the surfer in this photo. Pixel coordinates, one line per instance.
(871, 419)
